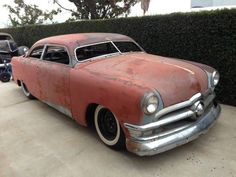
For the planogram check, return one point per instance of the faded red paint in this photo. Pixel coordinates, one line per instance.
(118, 82)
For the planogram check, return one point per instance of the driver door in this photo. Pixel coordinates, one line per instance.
(55, 78)
(30, 70)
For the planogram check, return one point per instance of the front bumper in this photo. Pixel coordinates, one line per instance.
(158, 144)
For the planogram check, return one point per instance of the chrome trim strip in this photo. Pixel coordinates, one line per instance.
(166, 120)
(166, 133)
(61, 109)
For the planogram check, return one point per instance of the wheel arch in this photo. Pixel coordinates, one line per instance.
(18, 82)
(89, 114)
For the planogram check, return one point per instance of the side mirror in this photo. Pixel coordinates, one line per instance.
(22, 50)
(25, 49)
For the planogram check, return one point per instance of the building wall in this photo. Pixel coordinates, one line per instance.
(224, 2)
(212, 3)
(201, 3)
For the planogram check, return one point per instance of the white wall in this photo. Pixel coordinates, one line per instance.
(162, 7)
(224, 2)
(201, 3)
(212, 3)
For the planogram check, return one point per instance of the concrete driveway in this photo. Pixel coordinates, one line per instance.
(37, 141)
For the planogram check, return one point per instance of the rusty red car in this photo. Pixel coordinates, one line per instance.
(145, 103)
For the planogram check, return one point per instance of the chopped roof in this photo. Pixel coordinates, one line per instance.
(4, 34)
(81, 39)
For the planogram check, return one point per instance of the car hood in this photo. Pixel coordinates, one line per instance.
(175, 80)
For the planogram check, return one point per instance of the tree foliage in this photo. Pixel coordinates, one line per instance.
(23, 14)
(100, 9)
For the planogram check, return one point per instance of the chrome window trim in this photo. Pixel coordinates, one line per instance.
(133, 42)
(57, 45)
(103, 42)
(102, 56)
(116, 47)
(28, 56)
(97, 43)
(43, 53)
(44, 50)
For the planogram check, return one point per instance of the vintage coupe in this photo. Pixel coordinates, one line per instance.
(9, 48)
(145, 103)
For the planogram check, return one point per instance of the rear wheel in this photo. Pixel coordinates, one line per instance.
(108, 128)
(26, 91)
(5, 77)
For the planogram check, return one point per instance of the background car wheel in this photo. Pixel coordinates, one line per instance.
(108, 128)
(5, 77)
(26, 91)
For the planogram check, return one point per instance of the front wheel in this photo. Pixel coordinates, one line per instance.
(26, 91)
(108, 128)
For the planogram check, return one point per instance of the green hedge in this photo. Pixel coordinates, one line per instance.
(205, 37)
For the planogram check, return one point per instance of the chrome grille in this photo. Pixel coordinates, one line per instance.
(172, 119)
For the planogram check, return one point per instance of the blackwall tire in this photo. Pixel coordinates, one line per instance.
(108, 128)
(5, 77)
(26, 91)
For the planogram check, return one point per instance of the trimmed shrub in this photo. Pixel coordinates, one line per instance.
(207, 37)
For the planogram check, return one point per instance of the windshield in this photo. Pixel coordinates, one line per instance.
(5, 37)
(106, 48)
(8, 46)
(127, 47)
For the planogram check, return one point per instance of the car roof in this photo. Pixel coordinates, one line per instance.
(81, 39)
(5, 34)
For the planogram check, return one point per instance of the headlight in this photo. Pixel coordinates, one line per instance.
(150, 103)
(215, 78)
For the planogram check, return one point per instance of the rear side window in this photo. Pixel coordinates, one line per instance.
(37, 52)
(57, 54)
(97, 50)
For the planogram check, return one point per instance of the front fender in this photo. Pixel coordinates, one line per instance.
(122, 97)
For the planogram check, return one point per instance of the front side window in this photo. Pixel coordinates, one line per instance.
(56, 54)
(37, 52)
